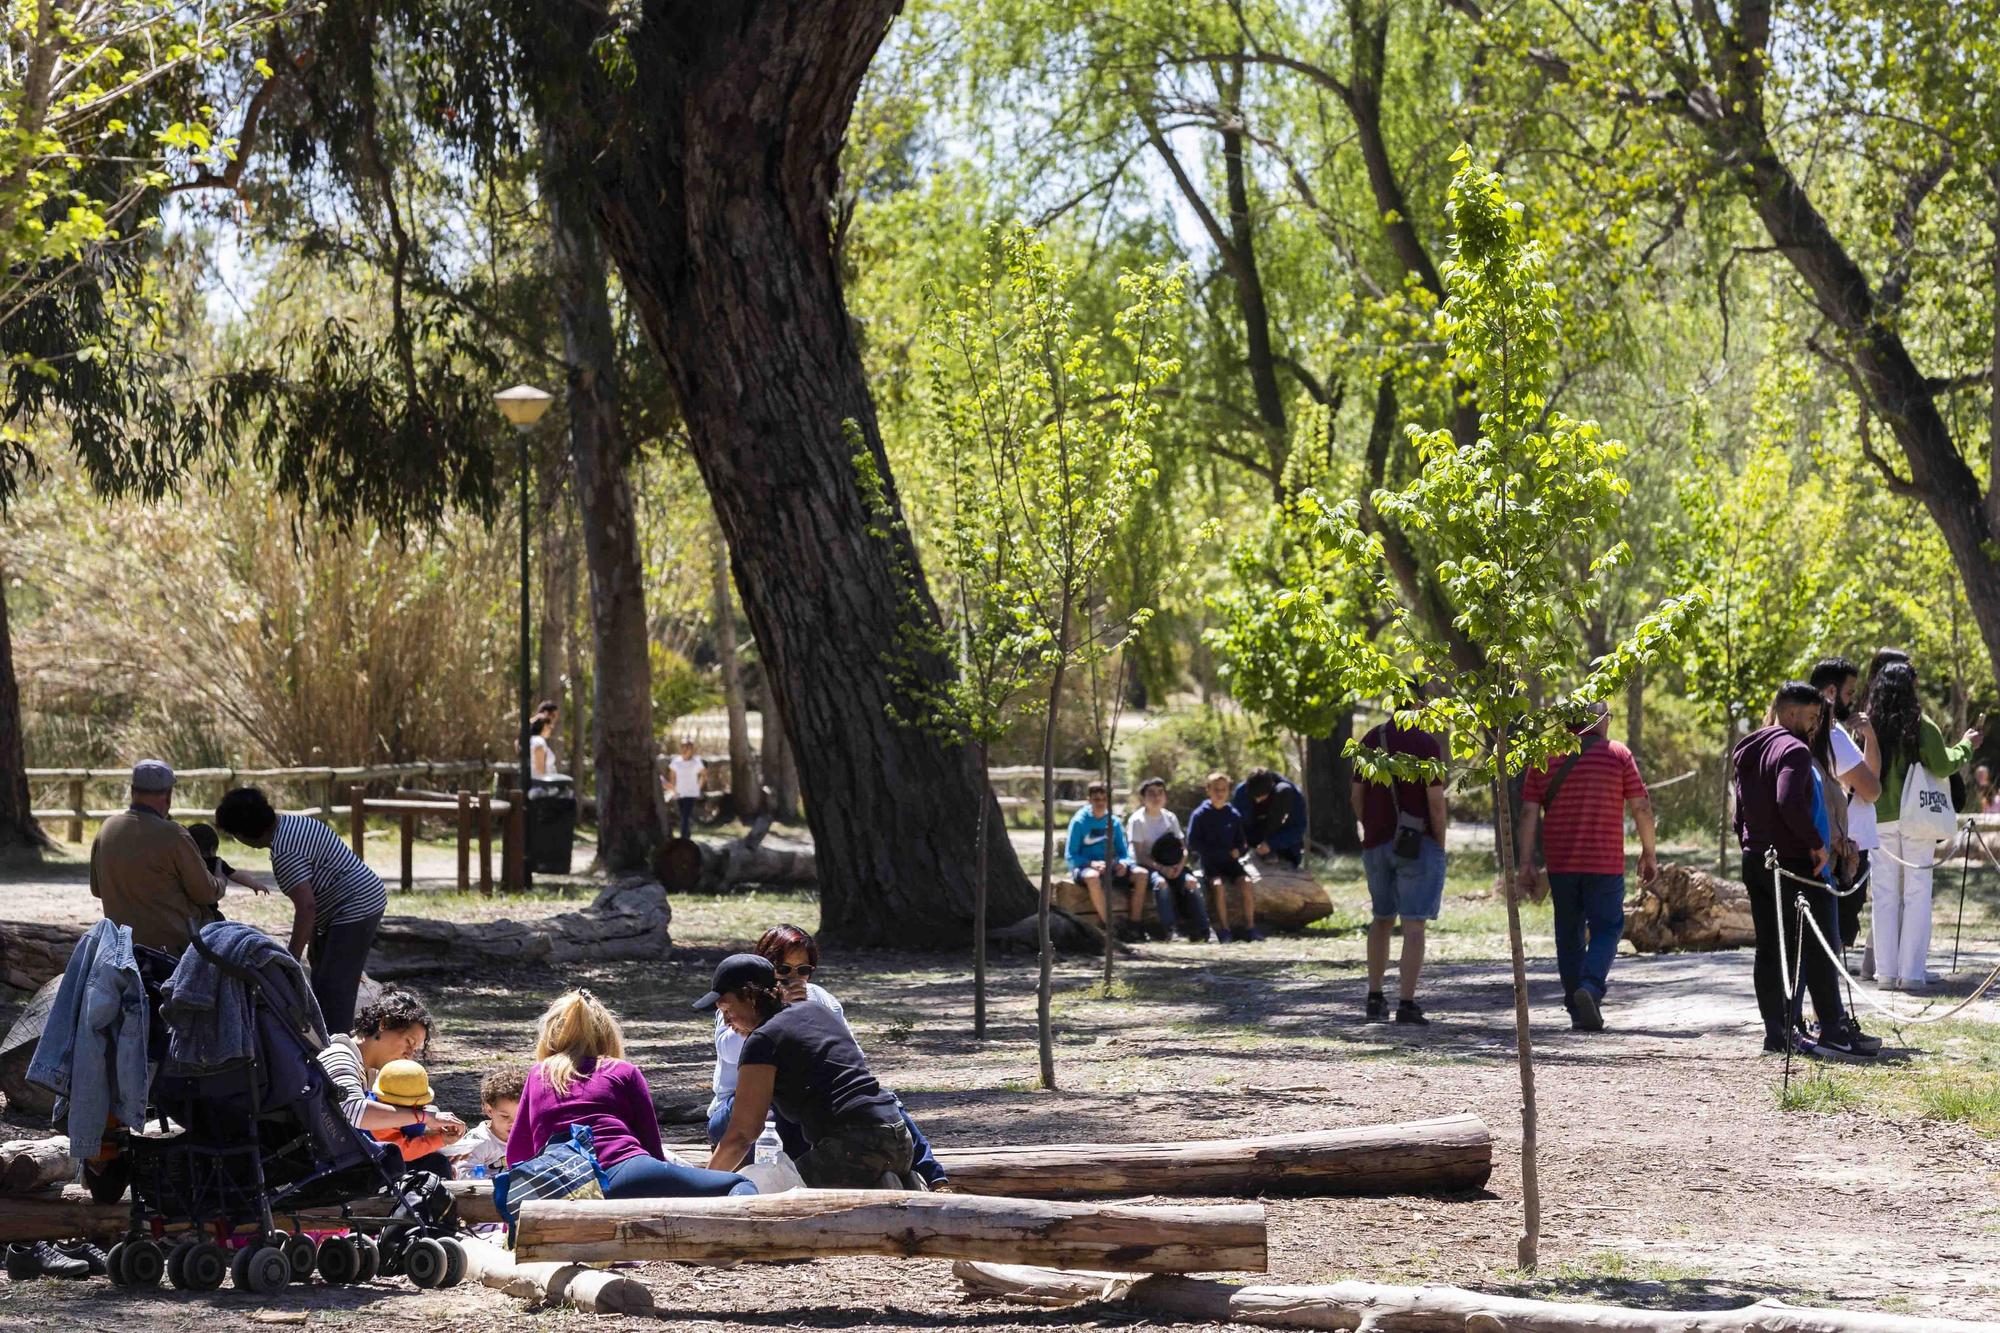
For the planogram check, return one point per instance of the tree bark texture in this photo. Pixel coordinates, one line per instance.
(1344, 1306)
(631, 814)
(781, 775)
(745, 788)
(807, 1223)
(1330, 818)
(20, 836)
(713, 180)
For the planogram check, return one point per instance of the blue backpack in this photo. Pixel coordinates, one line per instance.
(564, 1170)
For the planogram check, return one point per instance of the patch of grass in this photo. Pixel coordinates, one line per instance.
(1976, 1103)
(1819, 1092)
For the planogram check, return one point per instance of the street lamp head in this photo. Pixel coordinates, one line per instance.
(523, 404)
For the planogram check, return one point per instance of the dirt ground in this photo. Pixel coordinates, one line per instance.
(1671, 1176)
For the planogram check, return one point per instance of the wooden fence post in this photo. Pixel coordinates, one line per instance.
(357, 812)
(464, 840)
(76, 804)
(517, 836)
(486, 844)
(409, 848)
(326, 810)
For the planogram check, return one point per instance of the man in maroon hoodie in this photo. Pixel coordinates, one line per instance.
(1775, 795)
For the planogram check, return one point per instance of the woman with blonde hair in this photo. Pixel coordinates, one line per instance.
(581, 1077)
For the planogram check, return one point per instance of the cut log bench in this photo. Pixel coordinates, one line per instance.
(1370, 1305)
(1287, 899)
(810, 1224)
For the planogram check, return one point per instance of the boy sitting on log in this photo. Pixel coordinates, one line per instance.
(1217, 838)
(1097, 850)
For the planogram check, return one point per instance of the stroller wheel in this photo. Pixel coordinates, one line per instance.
(145, 1263)
(203, 1266)
(426, 1263)
(177, 1262)
(239, 1267)
(300, 1252)
(339, 1260)
(371, 1257)
(455, 1259)
(114, 1264)
(265, 1271)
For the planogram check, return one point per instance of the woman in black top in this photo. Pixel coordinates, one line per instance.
(801, 1059)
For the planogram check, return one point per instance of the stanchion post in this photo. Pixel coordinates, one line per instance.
(464, 840)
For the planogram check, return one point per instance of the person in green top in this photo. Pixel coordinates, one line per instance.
(1902, 877)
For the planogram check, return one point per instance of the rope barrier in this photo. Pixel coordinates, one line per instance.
(1840, 963)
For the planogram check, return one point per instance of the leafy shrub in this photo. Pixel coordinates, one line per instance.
(1184, 748)
(679, 687)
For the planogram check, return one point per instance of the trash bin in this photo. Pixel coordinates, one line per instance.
(551, 827)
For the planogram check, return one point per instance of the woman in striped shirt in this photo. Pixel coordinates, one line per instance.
(337, 901)
(395, 1026)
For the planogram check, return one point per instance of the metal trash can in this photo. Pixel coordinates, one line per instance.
(551, 827)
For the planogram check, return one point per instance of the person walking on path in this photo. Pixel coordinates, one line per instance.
(1576, 806)
(1402, 853)
(1775, 785)
(337, 901)
(147, 871)
(1901, 922)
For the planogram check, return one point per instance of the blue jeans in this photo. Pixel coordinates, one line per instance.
(687, 805)
(1173, 897)
(925, 1162)
(1590, 918)
(646, 1177)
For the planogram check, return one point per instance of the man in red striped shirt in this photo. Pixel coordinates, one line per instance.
(1577, 805)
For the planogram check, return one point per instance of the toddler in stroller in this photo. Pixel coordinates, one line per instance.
(251, 1131)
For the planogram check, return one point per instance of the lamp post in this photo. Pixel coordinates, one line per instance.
(523, 405)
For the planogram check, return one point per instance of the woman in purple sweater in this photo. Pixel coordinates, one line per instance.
(581, 1077)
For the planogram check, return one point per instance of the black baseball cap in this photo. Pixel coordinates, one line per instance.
(736, 971)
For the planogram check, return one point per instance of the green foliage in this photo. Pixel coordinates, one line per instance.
(679, 687)
(1183, 748)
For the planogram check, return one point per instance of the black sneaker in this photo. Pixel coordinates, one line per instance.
(1843, 1038)
(99, 1261)
(1378, 1007)
(1774, 1045)
(1584, 1013)
(1409, 1011)
(1863, 1043)
(42, 1259)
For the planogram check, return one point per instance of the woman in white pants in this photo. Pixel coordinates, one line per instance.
(1901, 869)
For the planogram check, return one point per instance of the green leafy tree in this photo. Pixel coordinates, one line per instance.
(1495, 511)
(1054, 430)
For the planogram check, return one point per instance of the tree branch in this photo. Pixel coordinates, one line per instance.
(246, 139)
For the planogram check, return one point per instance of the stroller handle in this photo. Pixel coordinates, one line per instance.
(221, 965)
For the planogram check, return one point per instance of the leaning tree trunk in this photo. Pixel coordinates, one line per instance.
(714, 178)
(20, 836)
(743, 784)
(631, 815)
(1329, 776)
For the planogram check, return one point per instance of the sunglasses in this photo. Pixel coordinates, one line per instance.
(804, 972)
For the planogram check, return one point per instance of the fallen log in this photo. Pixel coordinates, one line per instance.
(28, 1166)
(629, 921)
(556, 1284)
(61, 1216)
(1287, 899)
(1357, 1305)
(25, 1101)
(1444, 1155)
(1687, 910)
(684, 865)
(33, 951)
(806, 1224)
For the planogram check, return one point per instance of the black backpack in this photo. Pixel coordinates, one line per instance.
(1168, 849)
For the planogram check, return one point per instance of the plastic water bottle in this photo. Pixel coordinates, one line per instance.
(769, 1145)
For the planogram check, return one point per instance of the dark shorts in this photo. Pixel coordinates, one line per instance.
(857, 1157)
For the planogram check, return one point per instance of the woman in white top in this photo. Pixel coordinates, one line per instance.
(687, 771)
(541, 754)
(1177, 895)
(795, 956)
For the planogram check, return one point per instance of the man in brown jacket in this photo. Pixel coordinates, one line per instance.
(146, 869)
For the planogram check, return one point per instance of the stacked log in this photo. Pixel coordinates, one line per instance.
(1684, 909)
(809, 1224)
(1370, 1305)
(29, 1166)
(549, 1284)
(1287, 899)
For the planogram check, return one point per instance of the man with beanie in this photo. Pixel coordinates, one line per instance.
(1775, 795)
(146, 869)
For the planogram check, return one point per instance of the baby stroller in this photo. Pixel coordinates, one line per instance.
(256, 1139)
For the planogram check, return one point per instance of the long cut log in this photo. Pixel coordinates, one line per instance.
(1443, 1155)
(31, 1165)
(806, 1224)
(1357, 1305)
(1287, 899)
(628, 921)
(555, 1284)
(53, 1216)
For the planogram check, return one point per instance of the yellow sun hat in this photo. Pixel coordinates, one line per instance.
(403, 1083)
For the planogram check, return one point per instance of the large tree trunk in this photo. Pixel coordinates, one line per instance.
(21, 838)
(806, 1224)
(631, 816)
(714, 182)
(744, 787)
(1329, 779)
